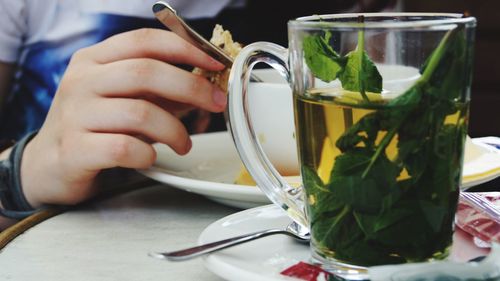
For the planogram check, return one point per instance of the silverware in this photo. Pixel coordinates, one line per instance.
(481, 203)
(169, 17)
(293, 229)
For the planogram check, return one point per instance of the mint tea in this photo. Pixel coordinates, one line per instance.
(381, 110)
(380, 187)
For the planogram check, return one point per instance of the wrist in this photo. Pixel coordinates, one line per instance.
(5, 148)
(33, 175)
(49, 177)
(14, 203)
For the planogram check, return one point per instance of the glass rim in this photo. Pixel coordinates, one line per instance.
(314, 21)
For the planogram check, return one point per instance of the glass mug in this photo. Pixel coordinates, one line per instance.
(381, 110)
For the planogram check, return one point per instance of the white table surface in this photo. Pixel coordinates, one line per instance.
(110, 240)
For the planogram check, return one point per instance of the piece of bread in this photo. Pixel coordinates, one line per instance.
(222, 39)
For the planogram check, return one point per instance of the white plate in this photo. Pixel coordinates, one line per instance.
(265, 258)
(212, 166)
(481, 161)
(209, 169)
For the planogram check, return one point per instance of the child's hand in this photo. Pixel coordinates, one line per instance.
(115, 99)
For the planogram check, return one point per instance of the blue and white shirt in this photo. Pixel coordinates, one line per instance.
(40, 36)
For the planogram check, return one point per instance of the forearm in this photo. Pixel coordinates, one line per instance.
(6, 74)
(5, 154)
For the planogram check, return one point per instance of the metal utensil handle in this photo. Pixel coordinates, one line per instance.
(168, 16)
(197, 251)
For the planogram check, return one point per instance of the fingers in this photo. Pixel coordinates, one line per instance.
(138, 76)
(114, 150)
(152, 43)
(202, 122)
(137, 117)
(113, 99)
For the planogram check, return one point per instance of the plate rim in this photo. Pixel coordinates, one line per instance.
(201, 185)
(252, 193)
(246, 194)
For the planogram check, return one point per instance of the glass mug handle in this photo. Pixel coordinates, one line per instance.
(251, 153)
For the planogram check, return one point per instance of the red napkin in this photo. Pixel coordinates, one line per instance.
(308, 272)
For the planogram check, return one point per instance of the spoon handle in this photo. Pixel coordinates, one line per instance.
(197, 251)
(168, 16)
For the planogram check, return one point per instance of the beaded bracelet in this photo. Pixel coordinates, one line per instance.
(14, 202)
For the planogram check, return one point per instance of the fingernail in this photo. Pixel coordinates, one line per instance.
(216, 63)
(189, 145)
(219, 97)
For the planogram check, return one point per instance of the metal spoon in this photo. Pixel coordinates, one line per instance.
(169, 17)
(293, 229)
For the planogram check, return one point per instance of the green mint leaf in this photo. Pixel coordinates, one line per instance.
(371, 224)
(335, 229)
(366, 254)
(363, 193)
(435, 214)
(320, 199)
(450, 73)
(361, 74)
(367, 214)
(356, 70)
(320, 57)
(414, 153)
(446, 161)
(409, 236)
(364, 131)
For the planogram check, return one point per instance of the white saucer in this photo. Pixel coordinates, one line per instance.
(262, 259)
(265, 258)
(213, 165)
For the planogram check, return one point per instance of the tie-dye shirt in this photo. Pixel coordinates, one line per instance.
(40, 36)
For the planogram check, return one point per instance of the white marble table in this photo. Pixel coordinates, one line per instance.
(110, 240)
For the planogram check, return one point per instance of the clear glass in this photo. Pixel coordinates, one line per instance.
(381, 110)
